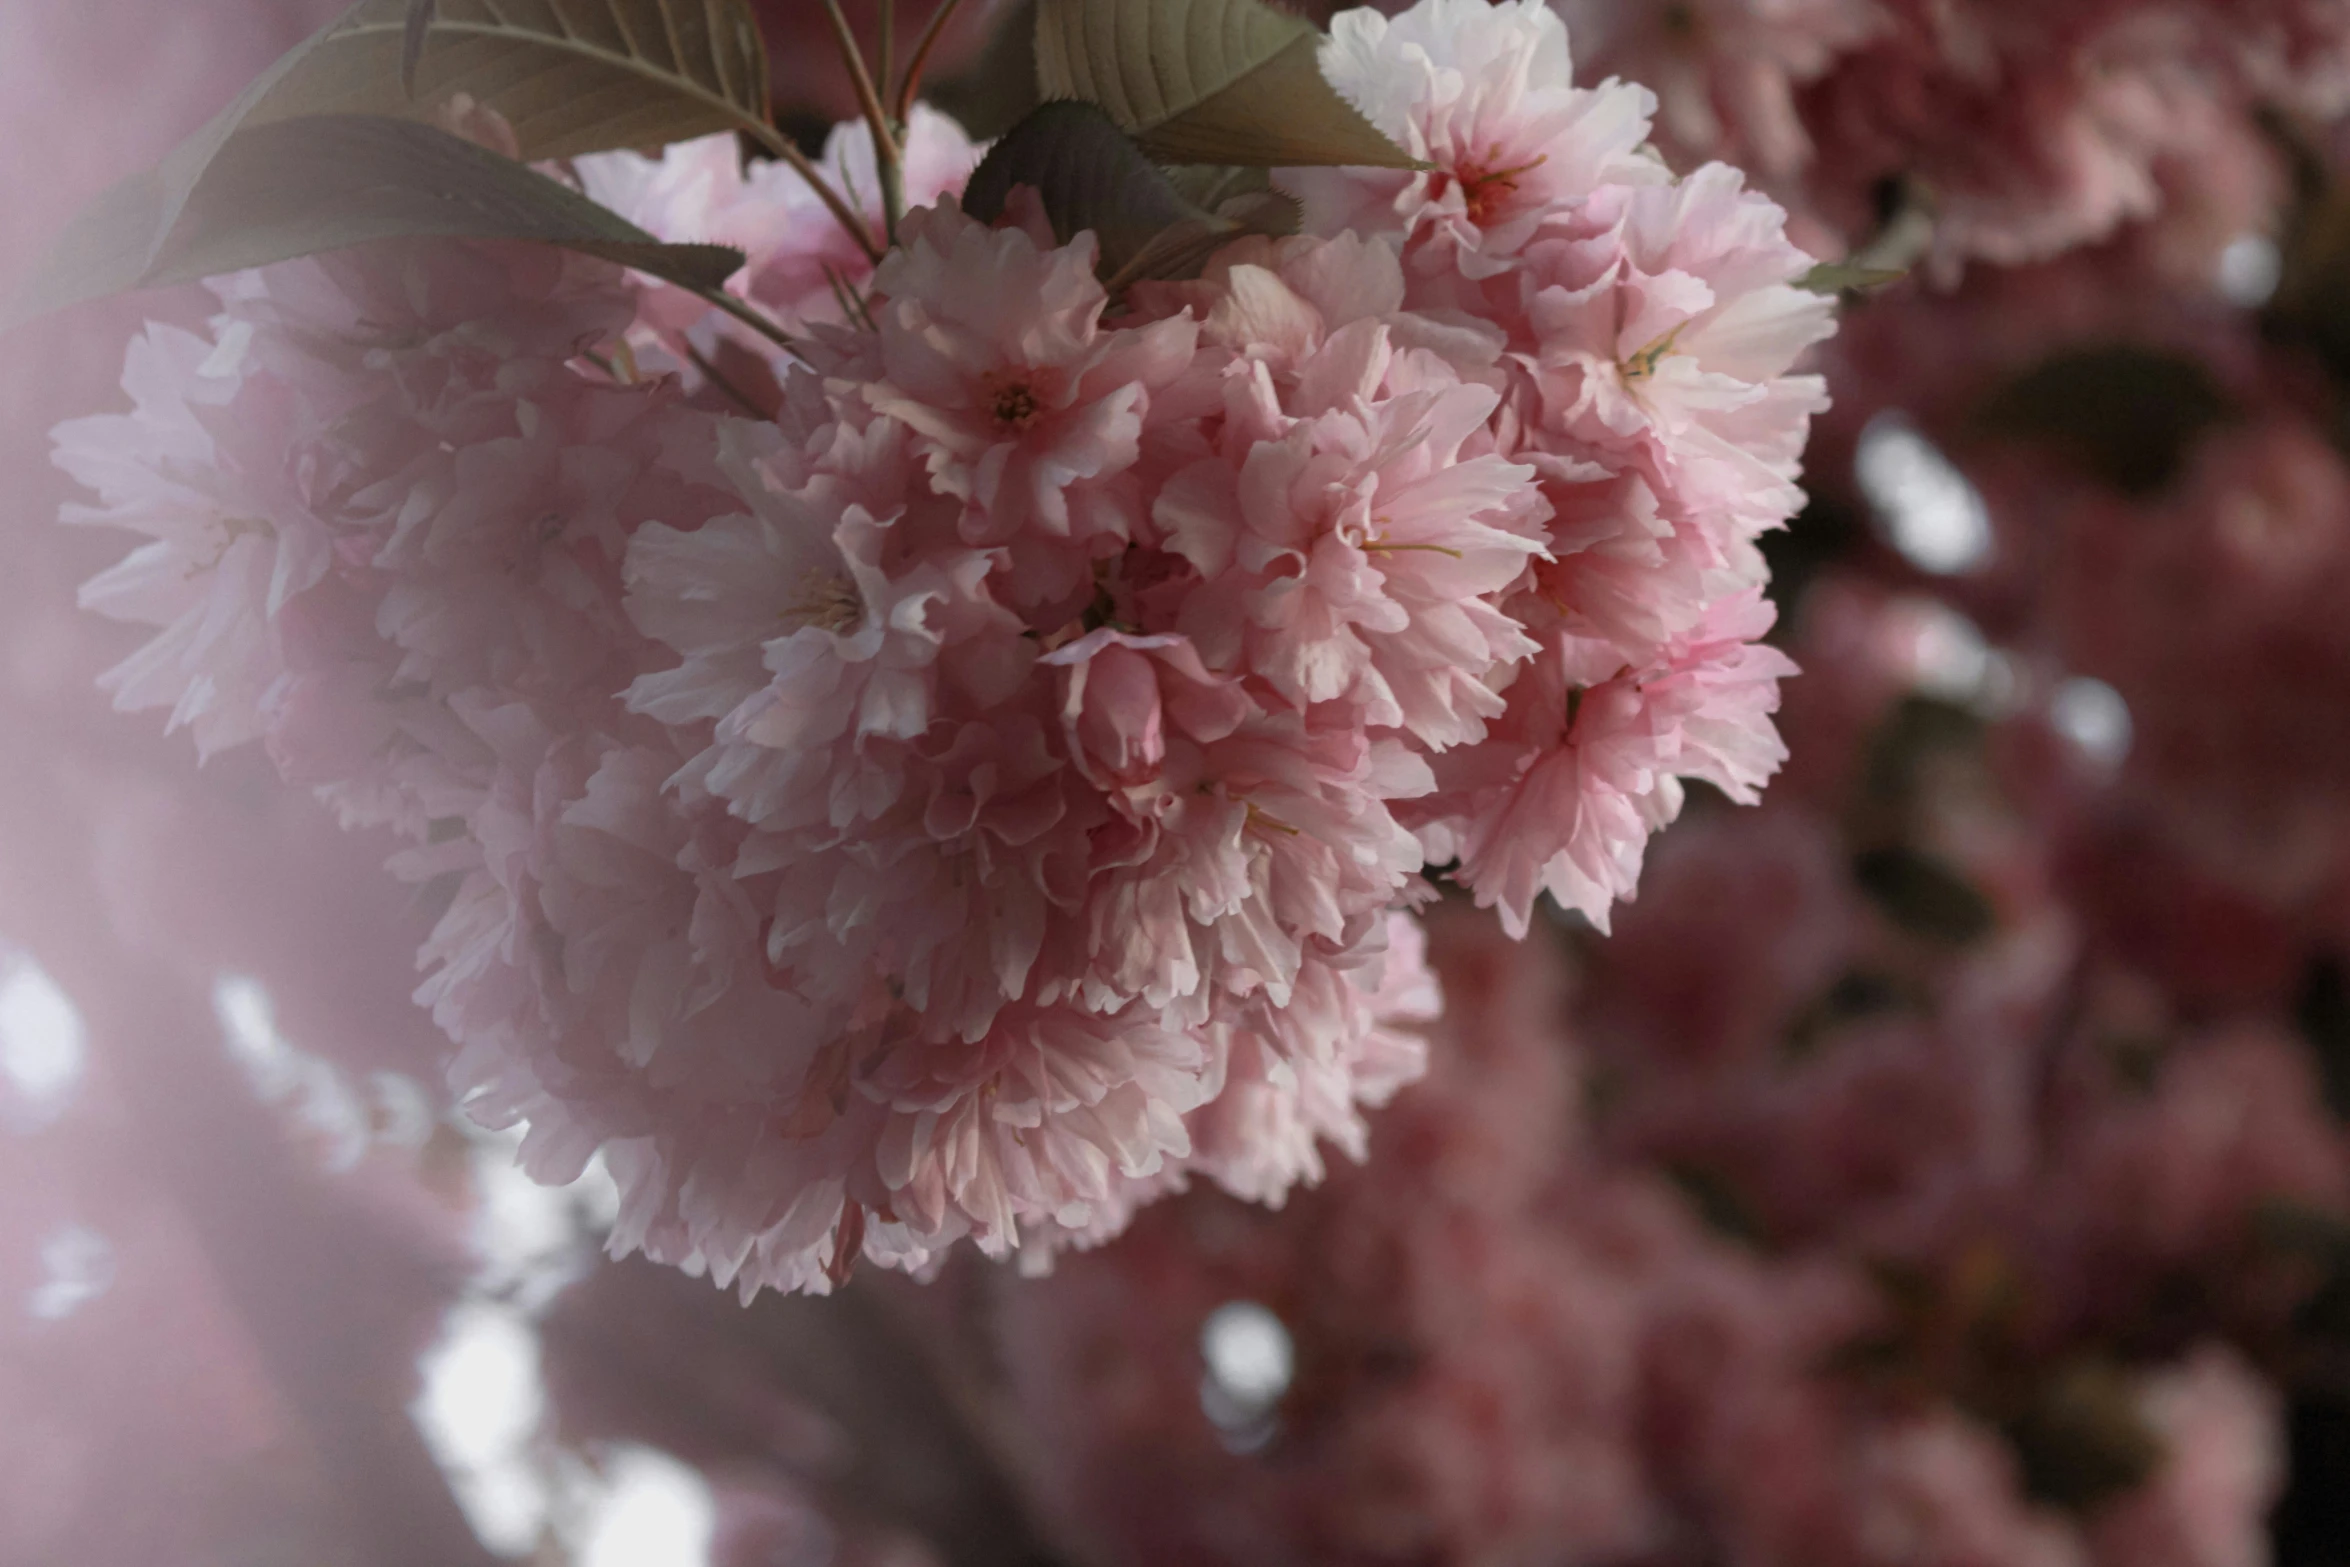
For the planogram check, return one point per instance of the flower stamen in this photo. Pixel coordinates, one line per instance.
(1483, 190)
(1266, 821)
(1013, 402)
(826, 602)
(1378, 546)
(1640, 366)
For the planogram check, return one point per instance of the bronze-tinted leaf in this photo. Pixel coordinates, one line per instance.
(991, 93)
(412, 41)
(298, 187)
(2083, 1438)
(1923, 895)
(1206, 81)
(1240, 192)
(1838, 277)
(1920, 738)
(2304, 1229)
(1263, 212)
(571, 76)
(111, 243)
(1090, 176)
(1209, 185)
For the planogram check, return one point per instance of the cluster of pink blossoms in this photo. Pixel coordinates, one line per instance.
(986, 793)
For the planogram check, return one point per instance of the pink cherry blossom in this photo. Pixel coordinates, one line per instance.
(1485, 92)
(1588, 762)
(1368, 548)
(1665, 331)
(804, 264)
(1023, 407)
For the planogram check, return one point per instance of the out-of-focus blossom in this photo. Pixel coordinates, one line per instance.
(2024, 131)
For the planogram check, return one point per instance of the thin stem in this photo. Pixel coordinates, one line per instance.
(893, 198)
(847, 216)
(753, 319)
(853, 308)
(885, 135)
(885, 56)
(868, 100)
(915, 66)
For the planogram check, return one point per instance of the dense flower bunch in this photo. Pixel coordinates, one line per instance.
(982, 794)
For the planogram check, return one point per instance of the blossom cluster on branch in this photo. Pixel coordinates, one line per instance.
(1102, 735)
(980, 795)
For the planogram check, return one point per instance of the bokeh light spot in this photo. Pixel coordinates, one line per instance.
(1250, 1362)
(2249, 270)
(44, 1048)
(655, 1512)
(479, 1411)
(1929, 511)
(2093, 716)
(77, 1266)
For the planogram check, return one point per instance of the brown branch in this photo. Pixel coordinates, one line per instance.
(644, 1352)
(920, 59)
(886, 153)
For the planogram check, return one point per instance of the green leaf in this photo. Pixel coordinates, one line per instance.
(1206, 81)
(1091, 176)
(298, 187)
